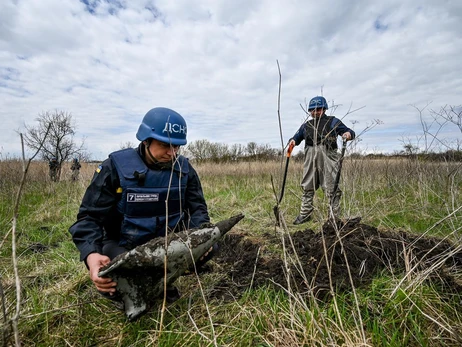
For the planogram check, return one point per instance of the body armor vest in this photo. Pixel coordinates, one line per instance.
(148, 196)
(321, 131)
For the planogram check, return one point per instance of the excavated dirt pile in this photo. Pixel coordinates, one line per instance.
(244, 261)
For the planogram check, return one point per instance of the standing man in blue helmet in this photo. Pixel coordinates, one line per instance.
(125, 203)
(320, 165)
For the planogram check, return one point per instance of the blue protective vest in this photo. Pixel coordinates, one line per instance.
(321, 131)
(144, 195)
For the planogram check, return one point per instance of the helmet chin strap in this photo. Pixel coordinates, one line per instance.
(148, 152)
(155, 162)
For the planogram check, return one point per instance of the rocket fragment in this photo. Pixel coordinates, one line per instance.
(139, 273)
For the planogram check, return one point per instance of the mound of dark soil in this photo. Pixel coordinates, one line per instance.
(351, 253)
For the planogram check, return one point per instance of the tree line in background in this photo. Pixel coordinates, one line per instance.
(54, 137)
(215, 152)
(204, 150)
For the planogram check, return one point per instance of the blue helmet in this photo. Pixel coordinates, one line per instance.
(318, 102)
(163, 124)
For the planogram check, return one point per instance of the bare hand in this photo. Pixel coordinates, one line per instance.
(95, 262)
(347, 136)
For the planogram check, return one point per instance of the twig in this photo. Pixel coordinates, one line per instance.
(194, 322)
(279, 107)
(15, 318)
(206, 306)
(59, 309)
(274, 189)
(5, 238)
(280, 129)
(331, 282)
(254, 268)
(435, 264)
(359, 324)
(5, 318)
(164, 299)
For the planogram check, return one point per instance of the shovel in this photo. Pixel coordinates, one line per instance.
(339, 169)
(276, 208)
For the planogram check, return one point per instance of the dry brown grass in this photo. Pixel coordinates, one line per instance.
(399, 193)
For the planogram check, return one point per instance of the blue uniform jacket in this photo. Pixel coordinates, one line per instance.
(328, 128)
(100, 215)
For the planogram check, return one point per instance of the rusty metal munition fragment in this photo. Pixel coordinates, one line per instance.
(139, 273)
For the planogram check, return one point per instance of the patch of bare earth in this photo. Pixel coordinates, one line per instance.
(353, 248)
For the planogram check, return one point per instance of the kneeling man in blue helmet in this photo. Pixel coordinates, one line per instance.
(321, 157)
(137, 195)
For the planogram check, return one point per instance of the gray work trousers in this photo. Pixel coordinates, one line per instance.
(320, 170)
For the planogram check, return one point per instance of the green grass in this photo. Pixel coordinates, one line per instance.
(60, 306)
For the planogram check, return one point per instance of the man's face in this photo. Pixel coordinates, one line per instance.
(161, 151)
(317, 112)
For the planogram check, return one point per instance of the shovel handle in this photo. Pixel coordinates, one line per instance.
(289, 150)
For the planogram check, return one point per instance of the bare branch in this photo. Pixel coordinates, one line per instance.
(279, 107)
(15, 318)
(54, 137)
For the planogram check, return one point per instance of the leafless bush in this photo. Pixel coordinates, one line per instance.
(53, 137)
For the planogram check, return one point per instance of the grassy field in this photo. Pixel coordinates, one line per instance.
(414, 307)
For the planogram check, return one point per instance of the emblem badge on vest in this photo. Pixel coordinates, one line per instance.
(137, 197)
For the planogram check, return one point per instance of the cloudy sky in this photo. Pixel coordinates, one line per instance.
(107, 62)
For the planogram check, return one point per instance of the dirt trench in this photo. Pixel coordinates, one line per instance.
(364, 252)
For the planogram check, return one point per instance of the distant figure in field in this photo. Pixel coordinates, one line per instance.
(54, 168)
(321, 156)
(75, 169)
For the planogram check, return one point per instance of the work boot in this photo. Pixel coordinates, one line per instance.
(302, 219)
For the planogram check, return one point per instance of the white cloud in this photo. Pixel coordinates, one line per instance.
(109, 62)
